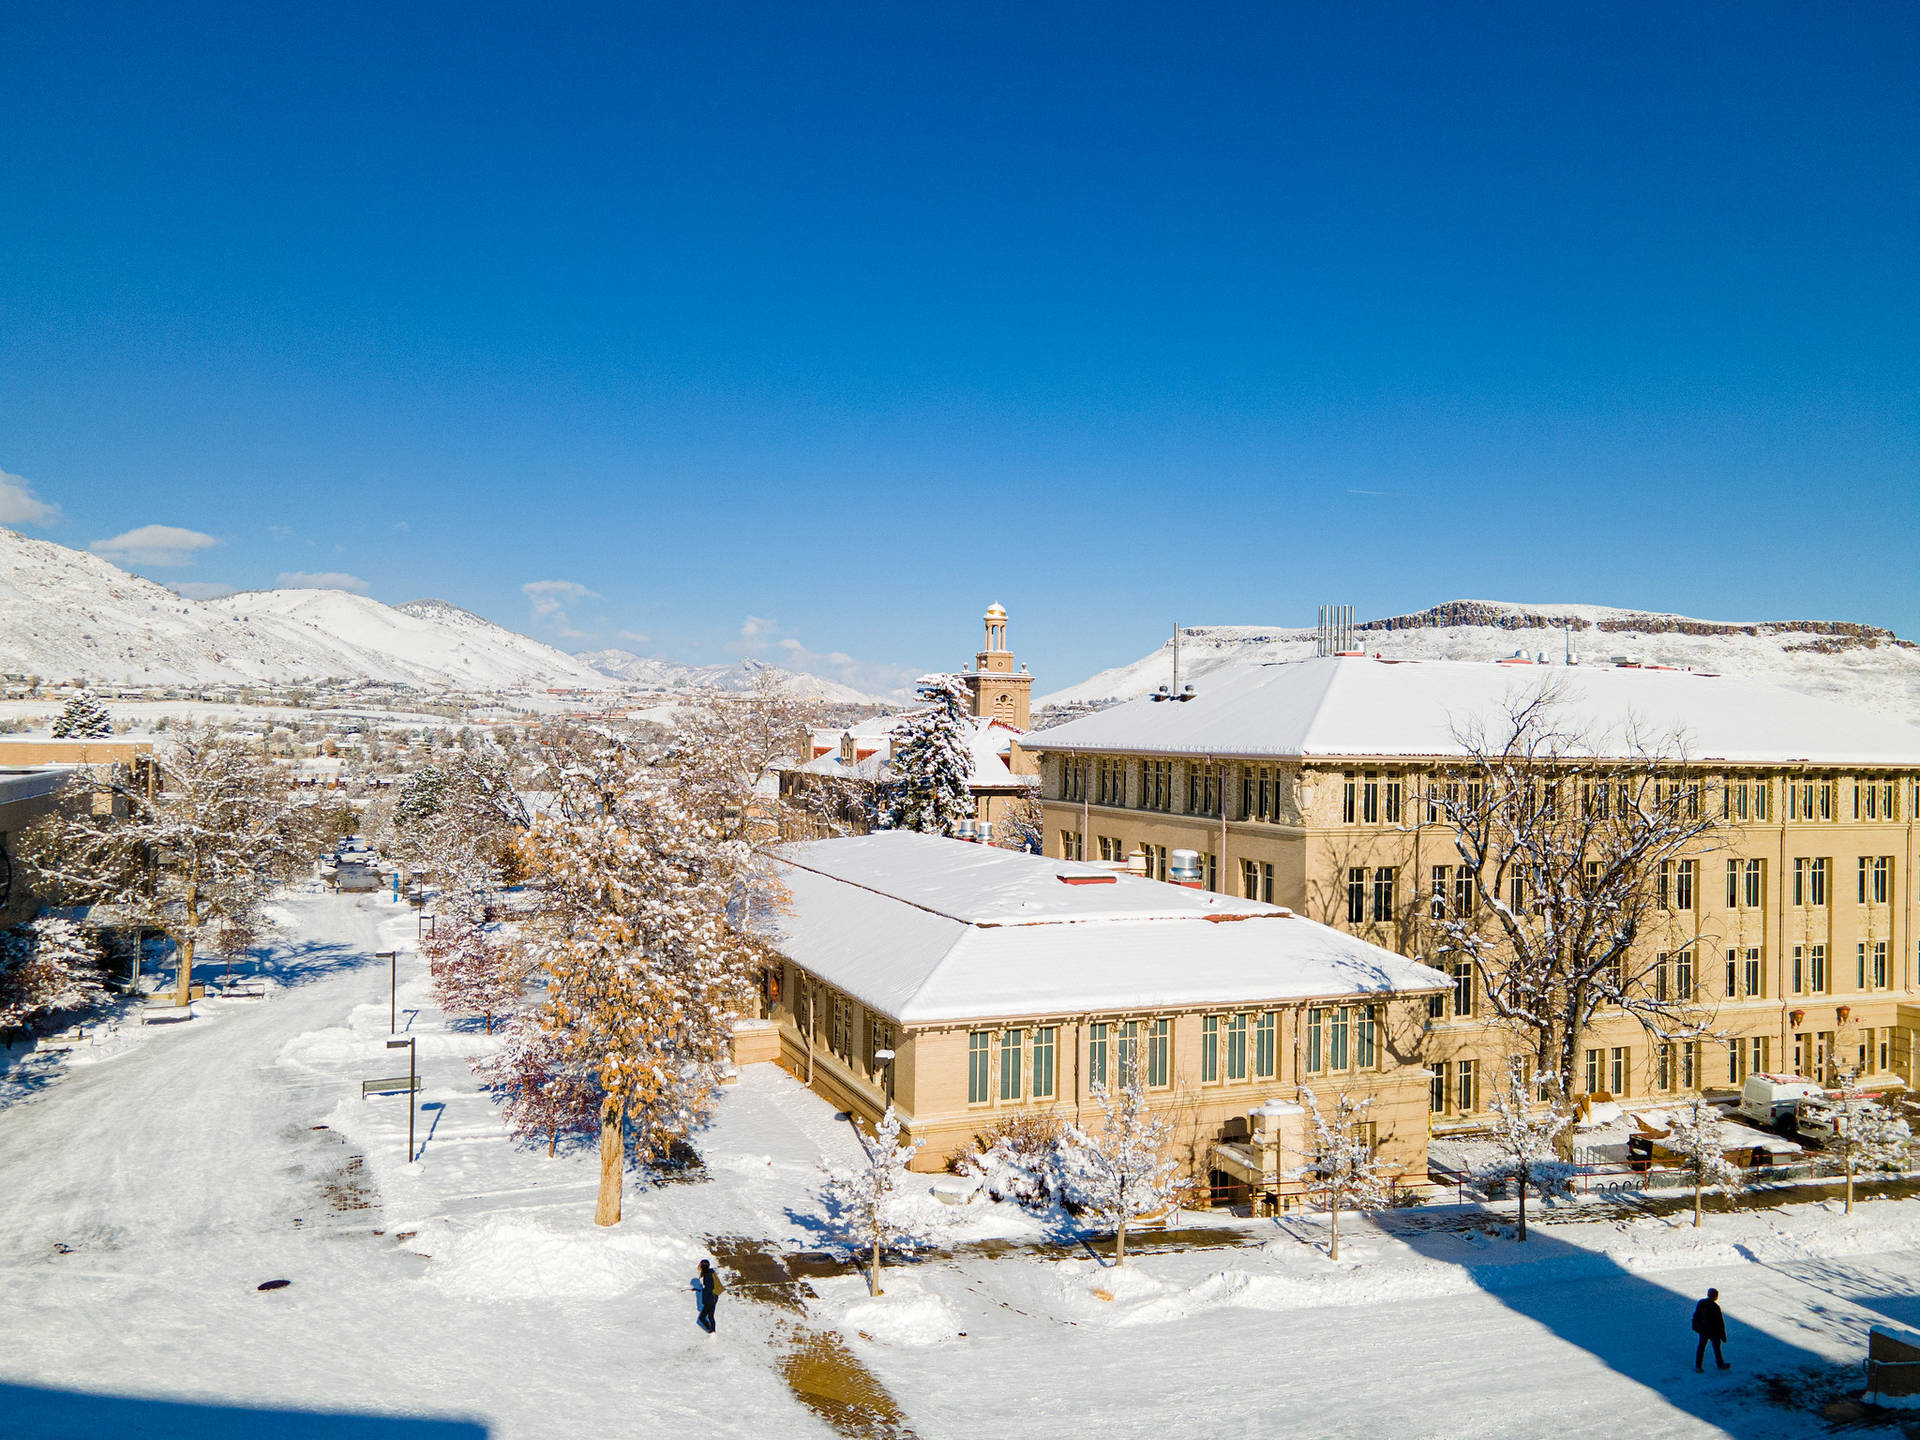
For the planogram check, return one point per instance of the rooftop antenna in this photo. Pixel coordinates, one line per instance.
(1336, 630)
(1173, 691)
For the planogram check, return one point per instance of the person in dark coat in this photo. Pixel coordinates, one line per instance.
(710, 1288)
(1710, 1325)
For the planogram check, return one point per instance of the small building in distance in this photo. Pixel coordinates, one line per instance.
(847, 765)
(966, 984)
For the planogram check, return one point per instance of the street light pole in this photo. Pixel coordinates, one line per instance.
(413, 1087)
(392, 957)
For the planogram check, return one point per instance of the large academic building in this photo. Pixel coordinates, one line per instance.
(1300, 784)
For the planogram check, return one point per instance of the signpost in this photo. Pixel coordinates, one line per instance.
(410, 1082)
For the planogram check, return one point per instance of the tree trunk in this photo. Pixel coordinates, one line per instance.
(1849, 1182)
(1333, 1204)
(1523, 1208)
(1120, 1241)
(612, 1163)
(183, 985)
(875, 1287)
(1696, 1203)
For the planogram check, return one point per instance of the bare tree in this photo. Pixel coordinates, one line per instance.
(864, 1196)
(1341, 1163)
(1694, 1136)
(1866, 1135)
(1526, 1133)
(183, 849)
(1567, 848)
(1124, 1172)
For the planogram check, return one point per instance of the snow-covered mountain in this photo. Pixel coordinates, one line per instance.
(670, 677)
(1838, 660)
(65, 613)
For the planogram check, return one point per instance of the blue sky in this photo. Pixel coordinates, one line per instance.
(806, 331)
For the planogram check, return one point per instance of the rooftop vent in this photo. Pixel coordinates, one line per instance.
(1337, 631)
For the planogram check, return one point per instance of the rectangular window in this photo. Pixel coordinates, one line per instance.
(1860, 966)
(1683, 885)
(1663, 1065)
(1383, 893)
(1441, 880)
(1882, 891)
(1463, 988)
(1390, 802)
(1619, 1074)
(1756, 884)
(1070, 846)
(979, 1065)
(1817, 968)
(1046, 1041)
(1880, 965)
(1732, 987)
(1734, 1050)
(1689, 1064)
(1011, 1050)
(1516, 892)
(1266, 881)
(1366, 1034)
(1817, 881)
(1337, 1038)
(1437, 1088)
(1316, 1022)
(1799, 970)
(1209, 1049)
(1347, 808)
(1660, 969)
(1263, 1045)
(1249, 880)
(1761, 793)
(1127, 1052)
(1237, 1048)
(1097, 1054)
(1159, 1048)
(1356, 895)
(1465, 1090)
(1370, 799)
(1864, 863)
(1593, 1072)
(1753, 970)
(1462, 891)
(1733, 883)
(1683, 975)
(1799, 880)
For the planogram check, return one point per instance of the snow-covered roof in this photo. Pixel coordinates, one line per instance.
(1359, 706)
(929, 930)
(990, 745)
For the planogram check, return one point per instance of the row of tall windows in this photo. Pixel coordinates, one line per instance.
(1025, 1062)
(1744, 973)
(1342, 1037)
(1673, 975)
(1370, 893)
(1876, 799)
(1368, 798)
(1610, 1071)
(1746, 1057)
(1156, 785)
(1675, 884)
(1809, 970)
(1260, 793)
(1452, 892)
(1876, 879)
(1872, 960)
(1115, 1052)
(1746, 884)
(1256, 880)
(1234, 1047)
(1112, 776)
(1073, 845)
(1073, 778)
(1203, 789)
(1742, 800)
(1810, 880)
(1454, 1086)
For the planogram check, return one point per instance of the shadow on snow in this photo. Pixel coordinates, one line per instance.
(32, 1413)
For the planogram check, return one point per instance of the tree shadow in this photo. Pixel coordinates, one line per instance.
(1642, 1330)
(33, 1413)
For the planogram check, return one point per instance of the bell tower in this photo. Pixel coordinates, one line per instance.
(1000, 690)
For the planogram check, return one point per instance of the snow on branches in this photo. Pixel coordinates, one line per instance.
(475, 970)
(1866, 1135)
(1524, 1136)
(1570, 849)
(545, 1088)
(47, 966)
(1340, 1161)
(863, 1198)
(83, 718)
(456, 822)
(1693, 1138)
(1123, 1172)
(932, 758)
(183, 851)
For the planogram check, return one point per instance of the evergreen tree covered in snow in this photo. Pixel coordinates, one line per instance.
(546, 1090)
(47, 966)
(184, 850)
(475, 970)
(864, 1197)
(84, 718)
(1123, 1172)
(1693, 1138)
(456, 823)
(1340, 1161)
(1524, 1135)
(635, 875)
(1866, 1135)
(932, 758)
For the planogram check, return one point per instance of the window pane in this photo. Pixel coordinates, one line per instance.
(1010, 1067)
(978, 1053)
(1044, 1040)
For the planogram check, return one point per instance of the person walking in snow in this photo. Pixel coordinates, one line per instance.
(1710, 1325)
(710, 1287)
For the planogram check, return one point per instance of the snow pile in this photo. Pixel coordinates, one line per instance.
(905, 1315)
(506, 1258)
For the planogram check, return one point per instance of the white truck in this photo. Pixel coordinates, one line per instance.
(1775, 1100)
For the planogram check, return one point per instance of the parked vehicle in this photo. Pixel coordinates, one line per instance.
(1775, 1100)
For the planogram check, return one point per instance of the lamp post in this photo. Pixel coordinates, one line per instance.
(392, 957)
(413, 1087)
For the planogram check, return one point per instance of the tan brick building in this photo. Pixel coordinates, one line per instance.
(965, 983)
(1302, 783)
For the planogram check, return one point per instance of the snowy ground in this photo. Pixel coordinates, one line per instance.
(147, 1194)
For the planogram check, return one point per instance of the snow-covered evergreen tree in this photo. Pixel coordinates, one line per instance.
(546, 1091)
(863, 1198)
(635, 874)
(1866, 1135)
(1124, 1171)
(1340, 1161)
(47, 966)
(931, 761)
(182, 851)
(84, 718)
(1524, 1135)
(456, 823)
(1693, 1136)
(475, 970)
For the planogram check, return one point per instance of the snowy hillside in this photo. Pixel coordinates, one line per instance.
(65, 613)
(1836, 660)
(670, 677)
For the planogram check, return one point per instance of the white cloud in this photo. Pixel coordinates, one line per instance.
(161, 545)
(550, 599)
(759, 636)
(201, 589)
(20, 506)
(321, 580)
(633, 637)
